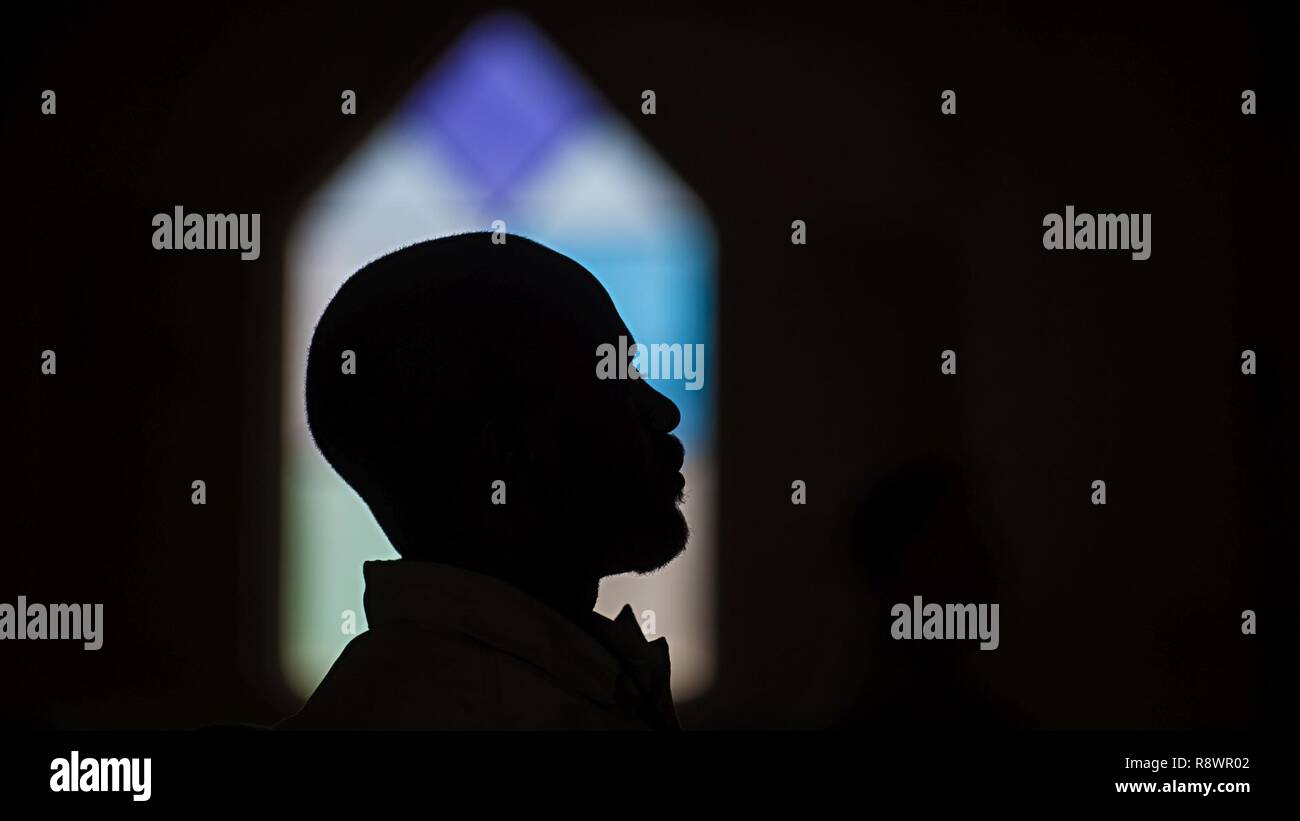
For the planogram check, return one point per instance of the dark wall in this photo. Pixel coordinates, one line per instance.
(924, 235)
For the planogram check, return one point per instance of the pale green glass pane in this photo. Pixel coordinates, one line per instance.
(328, 533)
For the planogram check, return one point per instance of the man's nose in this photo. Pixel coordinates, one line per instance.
(662, 412)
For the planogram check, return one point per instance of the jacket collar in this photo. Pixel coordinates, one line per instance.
(444, 598)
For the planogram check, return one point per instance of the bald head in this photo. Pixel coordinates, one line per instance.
(474, 363)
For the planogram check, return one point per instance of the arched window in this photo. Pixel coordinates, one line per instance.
(502, 128)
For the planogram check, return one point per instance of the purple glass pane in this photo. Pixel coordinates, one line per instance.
(498, 103)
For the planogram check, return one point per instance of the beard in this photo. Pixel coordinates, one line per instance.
(641, 539)
(658, 543)
(630, 519)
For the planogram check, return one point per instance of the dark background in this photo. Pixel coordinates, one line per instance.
(924, 234)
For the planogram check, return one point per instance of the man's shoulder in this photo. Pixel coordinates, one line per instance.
(403, 676)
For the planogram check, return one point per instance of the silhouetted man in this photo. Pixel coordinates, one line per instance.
(453, 384)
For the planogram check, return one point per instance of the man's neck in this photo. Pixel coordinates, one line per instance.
(574, 597)
(574, 600)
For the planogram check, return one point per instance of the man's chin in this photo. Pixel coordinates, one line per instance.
(652, 549)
